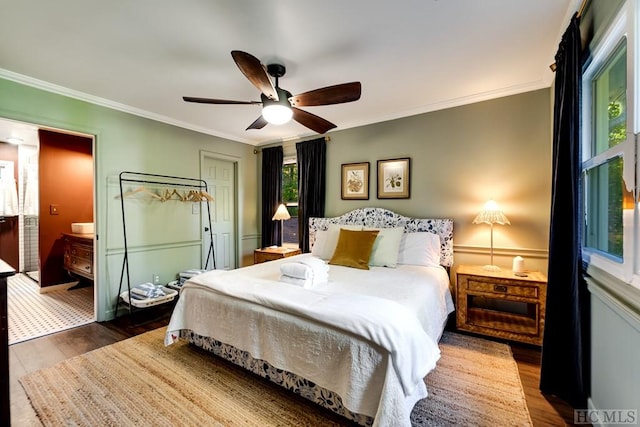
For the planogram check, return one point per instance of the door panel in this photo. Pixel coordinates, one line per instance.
(220, 178)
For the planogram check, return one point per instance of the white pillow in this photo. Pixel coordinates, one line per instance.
(386, 247)
(321, 242)
(422, 248)
(327, 240)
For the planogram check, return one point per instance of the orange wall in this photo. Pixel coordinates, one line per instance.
(66, 180)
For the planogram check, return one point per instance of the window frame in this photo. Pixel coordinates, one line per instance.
(623, 27)
(288, 161)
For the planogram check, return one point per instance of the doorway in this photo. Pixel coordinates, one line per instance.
(40, 304)
(220, 176)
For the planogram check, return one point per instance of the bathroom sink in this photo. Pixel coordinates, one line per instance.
(82, 227)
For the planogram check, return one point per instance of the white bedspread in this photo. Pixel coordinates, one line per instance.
(395, 315)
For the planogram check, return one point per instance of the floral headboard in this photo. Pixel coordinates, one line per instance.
(383, 218)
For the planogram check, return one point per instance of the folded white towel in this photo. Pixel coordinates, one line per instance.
(316, 263)
(297, 270)
(305, 268)
(304, 271)
(303, 283)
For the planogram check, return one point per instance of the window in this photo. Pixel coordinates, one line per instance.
(290, 199)
(609, 153)
(603, 183)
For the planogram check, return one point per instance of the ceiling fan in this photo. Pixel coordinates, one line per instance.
(278, 105)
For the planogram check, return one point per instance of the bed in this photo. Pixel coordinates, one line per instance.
(358, 343)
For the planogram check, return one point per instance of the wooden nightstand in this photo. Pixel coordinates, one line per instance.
(501, 304)
(269, 254)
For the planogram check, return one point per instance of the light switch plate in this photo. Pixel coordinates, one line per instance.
(54, 210)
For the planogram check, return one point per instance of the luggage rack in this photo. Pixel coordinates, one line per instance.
(197, 185)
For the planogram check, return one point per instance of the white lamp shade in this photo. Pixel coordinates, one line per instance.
(491, 214)
(277, 114)
(281, 213)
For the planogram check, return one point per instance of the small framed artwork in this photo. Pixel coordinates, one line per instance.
(355, 181)
(393, 178)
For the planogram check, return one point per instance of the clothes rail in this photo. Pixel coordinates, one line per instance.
(160, 180)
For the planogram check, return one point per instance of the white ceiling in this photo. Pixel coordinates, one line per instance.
(411, 56)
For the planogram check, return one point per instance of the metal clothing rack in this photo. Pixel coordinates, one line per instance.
(164, 180)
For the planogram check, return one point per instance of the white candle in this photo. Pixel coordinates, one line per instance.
(518, 264)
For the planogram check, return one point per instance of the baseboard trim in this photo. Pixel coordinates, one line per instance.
(58, 287)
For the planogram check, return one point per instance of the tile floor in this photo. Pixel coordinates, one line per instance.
(33, 314)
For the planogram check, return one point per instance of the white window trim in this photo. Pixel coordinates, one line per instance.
(625, 25)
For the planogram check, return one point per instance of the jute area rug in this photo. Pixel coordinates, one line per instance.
(140, 382)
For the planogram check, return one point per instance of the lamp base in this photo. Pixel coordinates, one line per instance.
(491, 268)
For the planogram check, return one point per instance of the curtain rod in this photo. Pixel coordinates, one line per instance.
(582, 6)
(326, 139)
(580, 10)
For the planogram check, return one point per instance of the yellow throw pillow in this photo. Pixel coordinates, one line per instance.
(354, 248)
(326, 240)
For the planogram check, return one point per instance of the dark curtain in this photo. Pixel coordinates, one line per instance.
(311, 185)
(565, 352)
(271, 194)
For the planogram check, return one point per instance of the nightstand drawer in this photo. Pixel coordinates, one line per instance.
(474, 284)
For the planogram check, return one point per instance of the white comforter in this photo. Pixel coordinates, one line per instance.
(379, 328)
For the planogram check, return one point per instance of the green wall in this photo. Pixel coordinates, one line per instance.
(460, 158)
(127, 142)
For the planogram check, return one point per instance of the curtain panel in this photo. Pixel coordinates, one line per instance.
(271, 194)
(565, 352)
(311, 185)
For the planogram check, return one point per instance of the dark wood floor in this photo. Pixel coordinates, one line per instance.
(39, 353)
(544, 410)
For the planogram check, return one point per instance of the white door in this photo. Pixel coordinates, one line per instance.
(220, 177)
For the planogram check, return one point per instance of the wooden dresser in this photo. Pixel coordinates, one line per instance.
(78, 254)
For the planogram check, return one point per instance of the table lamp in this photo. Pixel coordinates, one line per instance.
(491, 214)
(281, 214)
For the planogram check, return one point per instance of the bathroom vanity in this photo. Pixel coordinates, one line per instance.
(78, 254)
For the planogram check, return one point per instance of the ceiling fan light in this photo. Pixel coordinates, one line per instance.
(277, 114)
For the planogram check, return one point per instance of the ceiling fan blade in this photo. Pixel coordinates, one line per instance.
(313, 122)
(257, 74)
(217, 101)
(337, 94)
(259, 123)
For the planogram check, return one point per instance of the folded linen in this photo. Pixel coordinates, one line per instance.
(308, 282)
(314, 262)
(303, 283)
(305, 272)
(305, 268)
(297, 270)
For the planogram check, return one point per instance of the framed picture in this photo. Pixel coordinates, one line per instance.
(355, 181)
(393, 178)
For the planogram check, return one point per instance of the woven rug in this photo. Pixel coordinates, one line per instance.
(140, 382)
